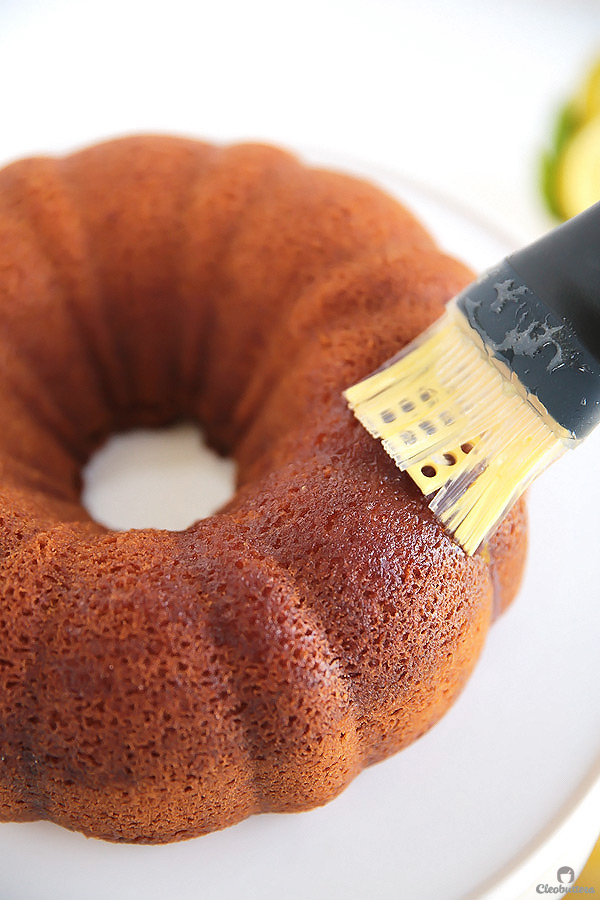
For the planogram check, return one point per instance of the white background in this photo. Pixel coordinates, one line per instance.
(459, 97)
(458, 94)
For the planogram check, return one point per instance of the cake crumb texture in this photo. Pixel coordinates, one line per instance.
(159, 685)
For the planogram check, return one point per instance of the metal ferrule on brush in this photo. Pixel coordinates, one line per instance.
(500, 386)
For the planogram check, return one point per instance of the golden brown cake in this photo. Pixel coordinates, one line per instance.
(157, 685)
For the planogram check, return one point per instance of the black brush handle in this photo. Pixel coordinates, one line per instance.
(563, 269)
(538, 315)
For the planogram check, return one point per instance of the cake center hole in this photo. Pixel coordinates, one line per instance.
(156, 478)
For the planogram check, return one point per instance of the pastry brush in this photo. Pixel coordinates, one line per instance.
(500, 386)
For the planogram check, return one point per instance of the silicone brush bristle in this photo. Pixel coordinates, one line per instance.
(508, 378)
(459, 426)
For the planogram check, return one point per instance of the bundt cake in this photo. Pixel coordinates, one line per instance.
(157, 685)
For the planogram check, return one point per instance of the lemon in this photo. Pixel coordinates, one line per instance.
(570, 168)
(577, 170)
(587, 101)
(567, 123)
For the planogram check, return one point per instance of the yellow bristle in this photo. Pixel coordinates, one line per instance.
(445, 393)
(432, 473)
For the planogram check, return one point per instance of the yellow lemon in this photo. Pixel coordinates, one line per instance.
(578, 169)
(570, 177)
(587, 100)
